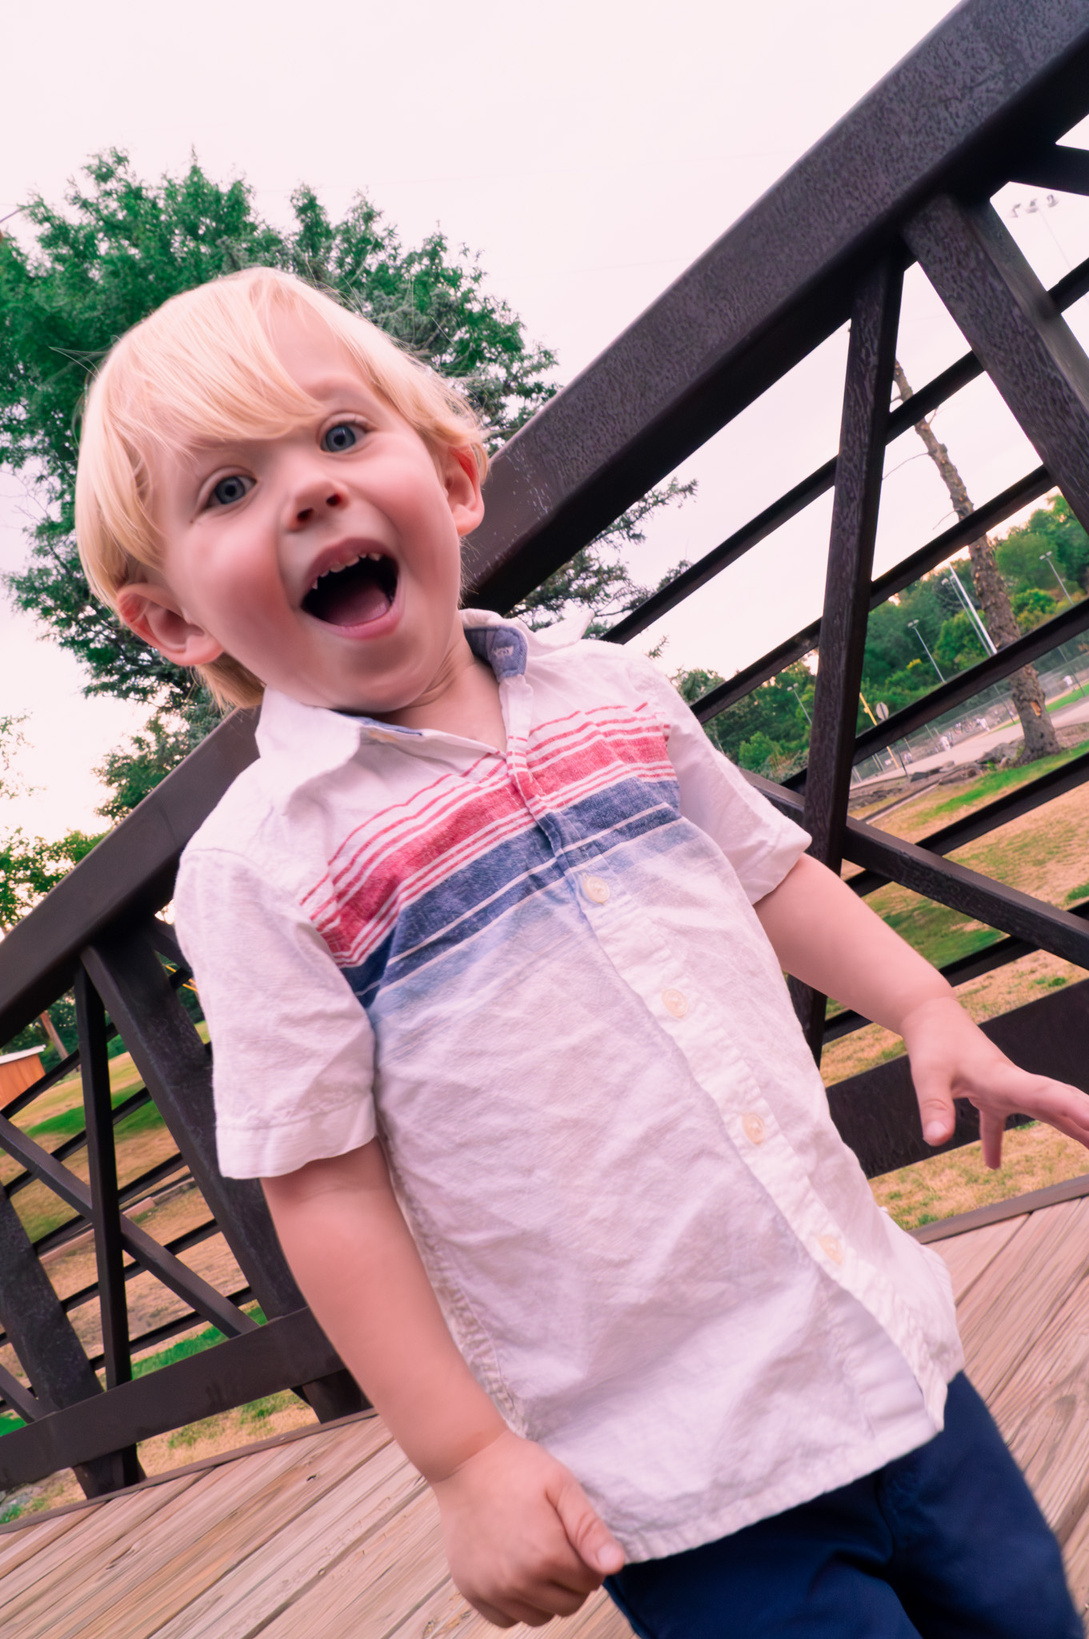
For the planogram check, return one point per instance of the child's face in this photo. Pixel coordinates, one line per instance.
(327, 560)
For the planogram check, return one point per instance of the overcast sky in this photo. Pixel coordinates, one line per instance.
(588, 149)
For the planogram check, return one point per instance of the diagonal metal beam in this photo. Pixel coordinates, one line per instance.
(949, 883)
(1066, 169)
(1014, 329)
(202, 1297)
(909, 569)
(997, 77)
(172, 1060)
(1069, 289)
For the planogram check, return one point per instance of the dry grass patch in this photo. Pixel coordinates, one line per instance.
(983, 998)
(1033, 1158)
(1043, 853)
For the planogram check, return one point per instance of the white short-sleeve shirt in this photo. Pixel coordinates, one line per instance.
(538, 977)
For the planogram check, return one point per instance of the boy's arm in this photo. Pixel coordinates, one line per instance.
(827, 937)
(523, 1541)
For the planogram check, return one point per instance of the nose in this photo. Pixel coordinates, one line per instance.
(313, 493)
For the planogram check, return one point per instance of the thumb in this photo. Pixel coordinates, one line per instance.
(936, 1107)
(587, 1532)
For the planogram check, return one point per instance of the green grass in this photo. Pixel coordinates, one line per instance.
(1080, 892)
(1001, 779)
(67, 1123)
(1068, 699)
(938, 933)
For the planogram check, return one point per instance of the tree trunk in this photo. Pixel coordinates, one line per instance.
(52, 1032)
(1028, 696)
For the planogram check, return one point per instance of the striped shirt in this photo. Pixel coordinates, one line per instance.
(537, 975)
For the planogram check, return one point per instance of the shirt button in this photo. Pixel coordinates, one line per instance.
(755, 1131)
(832, 1247)
(675, 1002)
(596, 889)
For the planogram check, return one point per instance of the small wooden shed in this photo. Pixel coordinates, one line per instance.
(19, 1070)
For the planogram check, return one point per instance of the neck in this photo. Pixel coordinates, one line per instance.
(463, 700)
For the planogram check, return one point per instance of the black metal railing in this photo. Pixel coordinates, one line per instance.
(906, 177)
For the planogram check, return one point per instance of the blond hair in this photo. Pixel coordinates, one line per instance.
(204, 368)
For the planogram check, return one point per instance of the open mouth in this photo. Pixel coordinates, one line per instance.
(353, 593)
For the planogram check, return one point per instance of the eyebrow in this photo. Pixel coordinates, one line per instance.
(329, 386)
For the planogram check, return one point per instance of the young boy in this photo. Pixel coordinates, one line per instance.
(490, 944)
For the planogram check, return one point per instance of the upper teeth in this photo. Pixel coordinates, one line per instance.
(335, 568)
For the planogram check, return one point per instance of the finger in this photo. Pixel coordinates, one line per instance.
(936, 1107)
(587, 1532)
(491, 1613)
(991, 1128)
(512, 1610)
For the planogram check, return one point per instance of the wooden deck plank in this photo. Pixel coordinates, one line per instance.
(1043, 1411)
(226, 1518)
(968, 1255)
(333, 1534)
(379, 1580)
(1051, 1256)
(265, 1581)
(194, 1523)
(32, 1539)
(106, 1533)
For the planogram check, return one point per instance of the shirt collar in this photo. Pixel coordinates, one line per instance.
(302, 743)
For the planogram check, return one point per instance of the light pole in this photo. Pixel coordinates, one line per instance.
(914, 624)
(973, 615)
(1058, 577)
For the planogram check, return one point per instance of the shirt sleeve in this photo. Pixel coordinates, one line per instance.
(293, 1051)
(761, 844)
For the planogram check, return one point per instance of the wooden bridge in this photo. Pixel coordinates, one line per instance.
(330, 1531)
(334, 1534)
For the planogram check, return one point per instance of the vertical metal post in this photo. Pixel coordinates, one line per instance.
(106, 1206)
(866, 397)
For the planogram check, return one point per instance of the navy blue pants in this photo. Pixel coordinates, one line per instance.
(945, 1543)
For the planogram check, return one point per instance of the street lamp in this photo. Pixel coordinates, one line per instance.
(914, 624)
(1058, 577)
(973, 615)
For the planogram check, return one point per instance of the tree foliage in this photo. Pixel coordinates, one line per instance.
(116, 249)
(768, 730)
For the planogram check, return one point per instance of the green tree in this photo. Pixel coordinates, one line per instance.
(990, 589)
(120, 246)
(767, 731)
(1051, 529)
(133, 770)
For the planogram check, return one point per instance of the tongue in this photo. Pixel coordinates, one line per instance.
(355, 604)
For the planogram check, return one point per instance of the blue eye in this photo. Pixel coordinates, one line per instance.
(340, 438)
(229, 490)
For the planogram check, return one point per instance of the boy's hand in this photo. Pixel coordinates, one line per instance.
(523, 1541)
(952, 1058)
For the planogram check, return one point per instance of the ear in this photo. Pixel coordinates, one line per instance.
(461, 476)
(154, 614)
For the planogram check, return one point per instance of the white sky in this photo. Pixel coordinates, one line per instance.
(589, 151)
